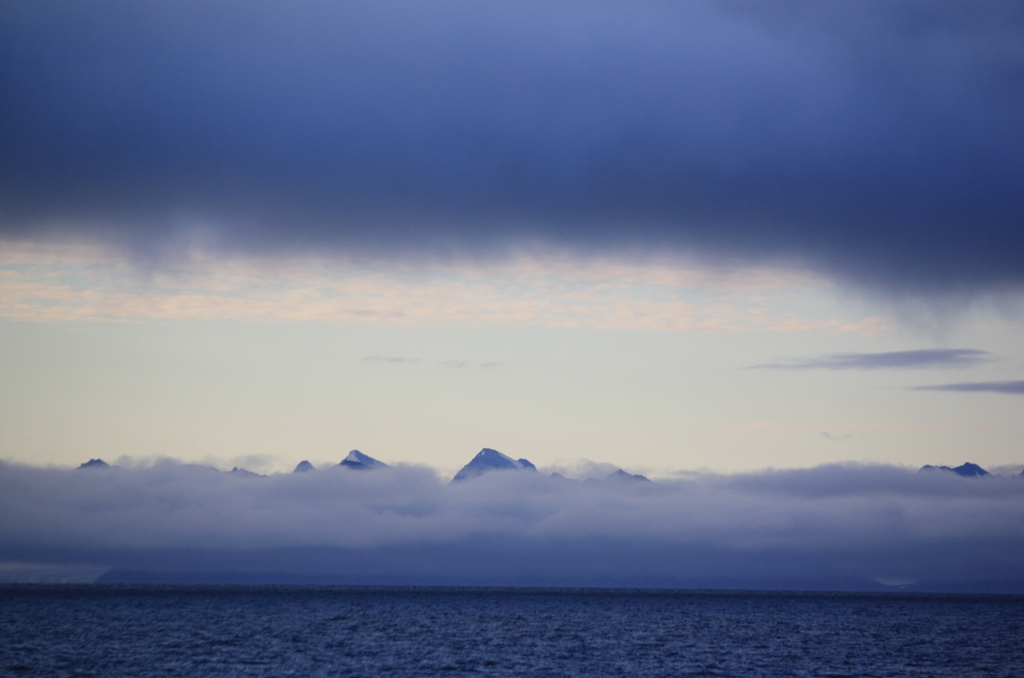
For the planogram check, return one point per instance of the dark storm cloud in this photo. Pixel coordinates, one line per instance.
(840, 526)
(1004, 387)
(879, 142)
(890, 360)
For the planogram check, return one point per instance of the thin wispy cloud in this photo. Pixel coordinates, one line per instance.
(390, 360)
(1000, 387)
(836, 437)
(458, 364)
(932, 358)
(470, 364)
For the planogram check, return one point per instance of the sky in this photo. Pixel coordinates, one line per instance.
(691, 240)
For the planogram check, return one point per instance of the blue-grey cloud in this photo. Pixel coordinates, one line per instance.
(890, 360)
(491, 364)
(1003, 387)
(877, 141)
(836, 437)
(841, 526)
(458, 364)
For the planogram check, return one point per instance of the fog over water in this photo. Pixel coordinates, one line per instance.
(833, 527)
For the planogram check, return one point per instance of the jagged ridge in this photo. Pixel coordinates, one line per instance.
(967, 470)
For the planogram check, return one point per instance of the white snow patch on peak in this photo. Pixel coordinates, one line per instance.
(497, 458)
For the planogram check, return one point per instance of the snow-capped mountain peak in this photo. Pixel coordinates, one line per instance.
(491, 460)
(360, 461)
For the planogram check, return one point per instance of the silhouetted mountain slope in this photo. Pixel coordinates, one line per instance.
(95, 463)
(623, 477)
(620, 476)
(967, 470)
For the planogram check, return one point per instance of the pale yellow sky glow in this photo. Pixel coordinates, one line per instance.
(66, 283)
(560, 359)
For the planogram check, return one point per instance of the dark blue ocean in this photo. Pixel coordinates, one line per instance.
(337, 631)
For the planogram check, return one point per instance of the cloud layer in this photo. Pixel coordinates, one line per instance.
(827, 527)
(1002, 387)
(926, 358)
(54, 283)
(877, 141)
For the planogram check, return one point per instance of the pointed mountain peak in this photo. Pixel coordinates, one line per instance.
(491, 460)
(95, 463)
(360, 461)
(304, 467)
(239, 471)
(967, 470)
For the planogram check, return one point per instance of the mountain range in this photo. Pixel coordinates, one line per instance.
(488, 460)
(355, 460)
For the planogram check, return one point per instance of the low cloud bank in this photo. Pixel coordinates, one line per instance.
(830, 527)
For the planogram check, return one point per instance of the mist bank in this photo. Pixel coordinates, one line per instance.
(837, 527)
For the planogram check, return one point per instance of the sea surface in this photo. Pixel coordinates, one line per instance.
(336, 631)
